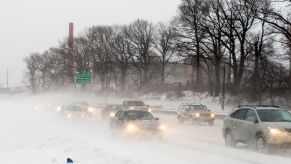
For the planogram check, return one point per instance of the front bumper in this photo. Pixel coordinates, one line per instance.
(143, 131)
(204, 119)
(280, 139)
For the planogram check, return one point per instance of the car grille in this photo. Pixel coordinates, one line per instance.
(148, 127)
(205, 115)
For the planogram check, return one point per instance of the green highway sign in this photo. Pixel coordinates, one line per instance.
(83, 78)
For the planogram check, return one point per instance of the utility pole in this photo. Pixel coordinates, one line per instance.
(70, 51)
(223, 89)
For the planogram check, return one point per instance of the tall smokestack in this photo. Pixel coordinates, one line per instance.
(70, 51)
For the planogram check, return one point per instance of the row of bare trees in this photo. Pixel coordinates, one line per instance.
(137, 52)
(250, 39)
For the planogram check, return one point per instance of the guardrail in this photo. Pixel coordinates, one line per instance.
(168, 110)
(173, 112)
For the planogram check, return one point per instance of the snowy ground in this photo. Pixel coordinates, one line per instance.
(36, 135)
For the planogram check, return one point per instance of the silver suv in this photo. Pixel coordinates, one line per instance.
(262, 126)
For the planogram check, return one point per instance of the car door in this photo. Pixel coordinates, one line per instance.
(120, 119)
(249, 128)
(237, 119)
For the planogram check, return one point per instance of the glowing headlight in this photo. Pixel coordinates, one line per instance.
(275, 131)
(112, 114)
(59, 108)
(90, 109)
(131, 128)
(69, 115)
(212, 115)
(131, 108)
(197, 115)
(161, 127)
(150, 110)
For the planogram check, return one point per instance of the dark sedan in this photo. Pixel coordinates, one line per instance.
(136, 123)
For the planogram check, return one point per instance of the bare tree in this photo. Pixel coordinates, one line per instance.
(141, 36)
(191, 13)
(98, 38)
(165, 47)
(122, 51)
(31, 68)
(214, 25)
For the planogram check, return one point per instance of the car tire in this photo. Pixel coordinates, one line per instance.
(229, 141)
(261, 144)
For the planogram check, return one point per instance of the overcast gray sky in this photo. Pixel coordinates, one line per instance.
(35, 25)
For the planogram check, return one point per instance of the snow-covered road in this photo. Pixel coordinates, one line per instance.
(41, 137)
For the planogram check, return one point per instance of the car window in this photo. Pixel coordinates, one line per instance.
(187, 108)
(118, 114)
(274, 115)
(250, 113)
(239, 114)
(135, 103)
(198, 107)
(138, 115)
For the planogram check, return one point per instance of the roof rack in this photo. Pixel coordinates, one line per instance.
(254, 106)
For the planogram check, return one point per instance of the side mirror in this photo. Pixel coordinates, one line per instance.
(252, 119)
(157, 119)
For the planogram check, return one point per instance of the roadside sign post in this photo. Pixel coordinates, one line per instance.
(83, 78)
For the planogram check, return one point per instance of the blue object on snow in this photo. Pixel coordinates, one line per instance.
(69, 160)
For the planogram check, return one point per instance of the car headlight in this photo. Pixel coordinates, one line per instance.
(59, 108)
(197, 115)
(212, 115)
(150, 110)
(112, 114)
(161, 127)
(90, 109)
(275, 131)
(69, 115)
(131, 108)
(131, 128)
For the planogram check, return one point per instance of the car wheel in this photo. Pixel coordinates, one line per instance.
(262, 145)
(229, 141)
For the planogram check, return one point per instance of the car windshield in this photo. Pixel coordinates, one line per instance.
(197, 107)
(274, 115)
(138, 115)
(136, 103)
(115, 107)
